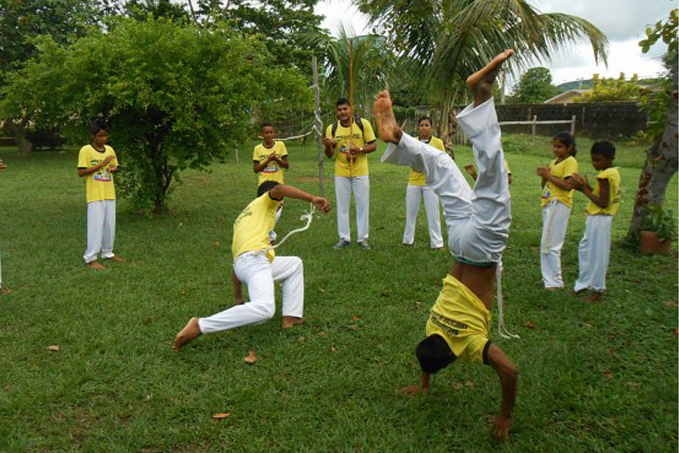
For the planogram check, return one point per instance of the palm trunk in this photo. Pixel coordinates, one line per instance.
(660, 166)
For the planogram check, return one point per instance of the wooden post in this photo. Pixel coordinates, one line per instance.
(535, 118)
(236, 155)
(318, 126)
(573, 119)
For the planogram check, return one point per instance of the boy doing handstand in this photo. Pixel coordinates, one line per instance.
(478, 226)
(255, 265)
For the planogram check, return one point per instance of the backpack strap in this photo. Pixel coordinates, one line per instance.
(357, 120)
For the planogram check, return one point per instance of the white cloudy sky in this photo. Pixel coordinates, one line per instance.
(623, 21)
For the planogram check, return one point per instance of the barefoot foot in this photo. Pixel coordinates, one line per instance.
(116, 259)
(594, 297)
(290, 321)
(5, 290)
(481, 82)
(95, 265)
(188, 333)
(387, 127)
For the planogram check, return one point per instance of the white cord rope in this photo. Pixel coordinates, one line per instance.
(308, 216)
(502, 330)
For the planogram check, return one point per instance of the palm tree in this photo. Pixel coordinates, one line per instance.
(450, 39)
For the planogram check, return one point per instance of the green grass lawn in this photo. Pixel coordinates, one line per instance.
(593, 378)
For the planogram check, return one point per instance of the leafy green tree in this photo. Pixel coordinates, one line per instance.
(534, 86)
(20, 23)
(175, 96)
(609, 90)
(453, 38)
(662, 156)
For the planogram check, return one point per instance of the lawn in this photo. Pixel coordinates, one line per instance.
(593, 378)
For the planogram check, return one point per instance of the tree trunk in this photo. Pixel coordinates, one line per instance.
(660, 166)
(18, 132)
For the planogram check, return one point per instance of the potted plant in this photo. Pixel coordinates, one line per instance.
(658, 232)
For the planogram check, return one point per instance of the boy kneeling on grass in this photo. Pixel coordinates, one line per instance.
(478, 226)
(255, 265)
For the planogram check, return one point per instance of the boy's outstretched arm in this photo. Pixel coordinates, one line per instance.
(508, 375)
(281, 191)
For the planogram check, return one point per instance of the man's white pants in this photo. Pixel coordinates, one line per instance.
(360, 186)
(259, 275)
(101, 229)
(555, 217)
(593, 253)
(478, 220)
(431, 204)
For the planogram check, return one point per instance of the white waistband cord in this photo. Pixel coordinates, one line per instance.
(308, 216)
(502, 330)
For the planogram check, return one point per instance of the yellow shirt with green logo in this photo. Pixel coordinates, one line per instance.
(252, 226)
(99, 185)
(272, 172)
(461, 319)
(561, 170)
(420, 179)
(613, 176)
(359, 139)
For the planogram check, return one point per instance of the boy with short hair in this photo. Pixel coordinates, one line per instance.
(350, 142)
(478, 227)
(256, 265)
(595, 247)
(97, 162)
(270, 157)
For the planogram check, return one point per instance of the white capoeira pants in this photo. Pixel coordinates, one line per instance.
(555, 217)
(477, 220)
(360, 186)
(594, 252)
(101, 229)
(414, 194)
(255, 270)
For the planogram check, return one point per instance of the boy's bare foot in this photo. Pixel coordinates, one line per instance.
(116, 259)
(387, 127)
(290, 321)
(188, 333)
(554, 288)
(481, 82)
(95, 265)
(594, 297)
(5, 290)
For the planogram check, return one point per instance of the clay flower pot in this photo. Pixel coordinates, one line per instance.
(651, 244)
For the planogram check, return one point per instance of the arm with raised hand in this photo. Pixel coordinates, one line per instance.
(281, 191)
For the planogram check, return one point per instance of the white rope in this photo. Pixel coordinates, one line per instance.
(502, 330)
(308, 216)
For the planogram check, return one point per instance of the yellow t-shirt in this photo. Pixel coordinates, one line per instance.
(461, 319)
(420, 179)
(271, 172)
(613, 176)
(562, 170)
(360, 165)
(252, 226)
(99, 185)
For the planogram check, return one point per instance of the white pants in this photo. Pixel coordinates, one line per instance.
(360, 185)
(555, 217)
(478, 220)
(259, 275)
(593, 253)
(101, 229)
(431, 204)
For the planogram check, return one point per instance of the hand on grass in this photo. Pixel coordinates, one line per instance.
(501, 426)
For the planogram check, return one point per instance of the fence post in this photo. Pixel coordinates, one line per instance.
(318, 126)
(573, 119)
(535, 118)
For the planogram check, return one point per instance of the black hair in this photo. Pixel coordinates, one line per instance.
(604, 148)
(434, 354)
(567, 140)
(266, 124)
(425, 118)
(97, 125)
(342, 101)
(265, 187)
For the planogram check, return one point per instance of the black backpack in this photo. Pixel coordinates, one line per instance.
(357, 120)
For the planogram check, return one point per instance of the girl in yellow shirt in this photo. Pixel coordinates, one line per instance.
(557, 201)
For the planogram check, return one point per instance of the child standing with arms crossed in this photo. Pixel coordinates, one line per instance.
(418, 189)
(595, 247)
(557, 201)
(97, 163)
